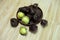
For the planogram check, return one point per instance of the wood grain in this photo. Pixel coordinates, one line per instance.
(51, 11)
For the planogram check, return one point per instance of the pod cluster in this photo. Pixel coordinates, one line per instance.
(29, 16)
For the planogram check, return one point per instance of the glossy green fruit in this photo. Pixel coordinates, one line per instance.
(23, 31)
(25, 20)
(20, 15)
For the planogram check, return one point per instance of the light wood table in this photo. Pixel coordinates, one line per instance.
(51, 11)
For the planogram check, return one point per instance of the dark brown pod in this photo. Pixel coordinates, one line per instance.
(34, 13)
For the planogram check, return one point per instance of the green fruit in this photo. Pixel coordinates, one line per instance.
(20, 15)
(25, 20)
(23, 31)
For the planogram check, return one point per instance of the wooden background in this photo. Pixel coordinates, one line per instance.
(51, 11)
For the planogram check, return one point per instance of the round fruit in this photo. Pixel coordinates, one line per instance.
(25, 20)
(44, 22)
(33, 28)
(23, 30)
(20, 15)
(14, 22)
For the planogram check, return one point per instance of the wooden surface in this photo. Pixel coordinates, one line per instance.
(51, 11)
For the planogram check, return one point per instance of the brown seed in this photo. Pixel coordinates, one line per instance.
(14, 22)
(33, 28)
(35, 14)
(44, 22)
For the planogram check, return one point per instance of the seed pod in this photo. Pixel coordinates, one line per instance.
(34, 13)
